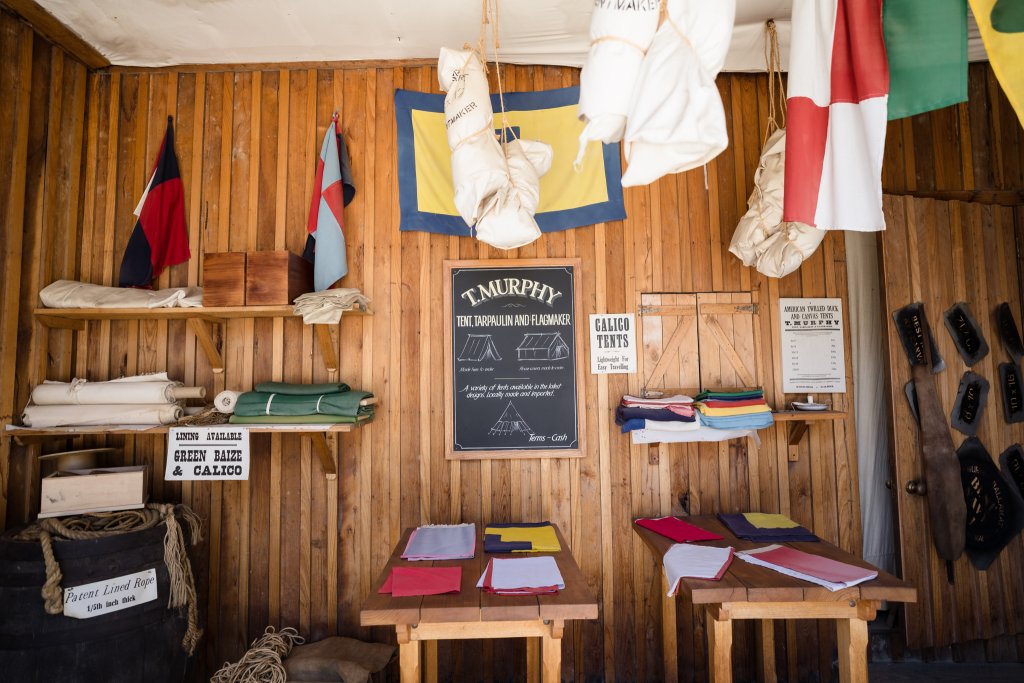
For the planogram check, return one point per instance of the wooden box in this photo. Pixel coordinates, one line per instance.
(224, 278)
(273, 278)
(73, 492)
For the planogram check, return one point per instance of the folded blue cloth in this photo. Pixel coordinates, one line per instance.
(742, 528)
(754, 421)
(624, 413)
(630, 425)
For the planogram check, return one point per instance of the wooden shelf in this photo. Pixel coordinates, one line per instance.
(799, 426)
(319, 433)
(199, 321)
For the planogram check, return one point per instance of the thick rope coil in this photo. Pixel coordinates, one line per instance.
(104, 524)
(262, 662)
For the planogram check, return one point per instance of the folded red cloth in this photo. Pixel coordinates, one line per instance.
(411, 581)
(678, 530)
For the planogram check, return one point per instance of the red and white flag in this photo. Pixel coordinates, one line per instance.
(837, 109)
(326, 221)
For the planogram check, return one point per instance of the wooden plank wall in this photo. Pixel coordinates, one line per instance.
(43, 94)
(287, 549)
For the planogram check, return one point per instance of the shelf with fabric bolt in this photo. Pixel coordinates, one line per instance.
(200, 320)
(800, 422)
(324, 437)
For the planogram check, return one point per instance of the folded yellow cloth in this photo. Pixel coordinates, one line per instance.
(724, 412)
(765, 520)
(543, 538)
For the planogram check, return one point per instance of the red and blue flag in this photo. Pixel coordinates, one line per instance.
(160, 238)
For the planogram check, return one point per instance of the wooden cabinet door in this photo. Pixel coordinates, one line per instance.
(940, 253)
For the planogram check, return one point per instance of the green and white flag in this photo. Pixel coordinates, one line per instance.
(926, 44)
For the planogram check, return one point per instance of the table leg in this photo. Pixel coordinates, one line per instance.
(719, 648)
(551, 657)
(533, 660)
(668, 633)
(853, 650)
(409, 661)
(430, 660)
(766, 655)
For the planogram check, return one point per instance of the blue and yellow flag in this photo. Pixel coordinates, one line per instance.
(568, 199)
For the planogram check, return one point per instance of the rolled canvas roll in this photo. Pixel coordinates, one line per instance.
(225, 401)
(82, 392)
(43, 417)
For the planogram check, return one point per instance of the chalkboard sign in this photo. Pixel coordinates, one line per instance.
(513, 386)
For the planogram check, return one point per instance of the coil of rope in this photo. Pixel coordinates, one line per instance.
(262, 662)
(105, 524)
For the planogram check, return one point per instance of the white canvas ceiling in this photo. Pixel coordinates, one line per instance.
(168, 32)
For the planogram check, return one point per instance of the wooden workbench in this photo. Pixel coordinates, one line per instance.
(748, 591)
(473, 613)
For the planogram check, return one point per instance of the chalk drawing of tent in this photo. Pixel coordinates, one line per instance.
(543, 346)
(511, 422)
(479, 347)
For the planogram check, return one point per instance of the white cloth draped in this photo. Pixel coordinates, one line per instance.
(73, 294)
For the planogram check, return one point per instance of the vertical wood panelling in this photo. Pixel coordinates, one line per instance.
(290, 548)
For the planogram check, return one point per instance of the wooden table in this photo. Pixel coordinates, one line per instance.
(748, 591)
(473, 613)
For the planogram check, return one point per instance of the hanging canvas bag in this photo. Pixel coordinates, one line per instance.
(508, 220)
(676, 121)
(478, 165)
(620, 34)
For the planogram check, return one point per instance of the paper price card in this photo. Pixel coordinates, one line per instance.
(207, 453)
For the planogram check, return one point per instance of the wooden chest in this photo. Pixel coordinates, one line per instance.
(74, 492)
(224, 278)
(274, 278)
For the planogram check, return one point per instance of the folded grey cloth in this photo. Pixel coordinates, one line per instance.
(73, 294)
(326, 307)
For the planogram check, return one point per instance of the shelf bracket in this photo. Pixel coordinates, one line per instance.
(323, 336)
(326, 447)
(201, 328)
(797, 430)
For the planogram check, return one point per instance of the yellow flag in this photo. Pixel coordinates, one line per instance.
(1005, 53)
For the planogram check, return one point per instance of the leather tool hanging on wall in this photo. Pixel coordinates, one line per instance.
(968, 337)
(993, 516)
(1008, 333)
(946, 509)
(1011, 463)
(909, 327)
(971, 397)
(1013, 398)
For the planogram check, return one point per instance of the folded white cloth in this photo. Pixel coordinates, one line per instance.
(73, 294)
(43, 417)
(326, 307)
(225, 401)
(685, 436)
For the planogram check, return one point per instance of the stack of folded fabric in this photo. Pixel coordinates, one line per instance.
(138, 400)
(734, 409)
(672, 415)
(522, 576)
(405, 582)
(441, 542)
(765, 527)
(522, 537)
(284, 403)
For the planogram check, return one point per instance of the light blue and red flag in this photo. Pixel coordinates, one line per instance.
(326, 222)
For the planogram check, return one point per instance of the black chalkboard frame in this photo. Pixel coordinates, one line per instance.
(575, 265)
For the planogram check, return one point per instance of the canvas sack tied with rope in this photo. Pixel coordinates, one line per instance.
(762, 239)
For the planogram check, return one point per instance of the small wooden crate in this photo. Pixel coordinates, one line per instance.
(224, 278)
(274, 278)
(75, 492)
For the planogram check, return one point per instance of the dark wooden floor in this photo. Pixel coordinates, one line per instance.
(946, 672)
